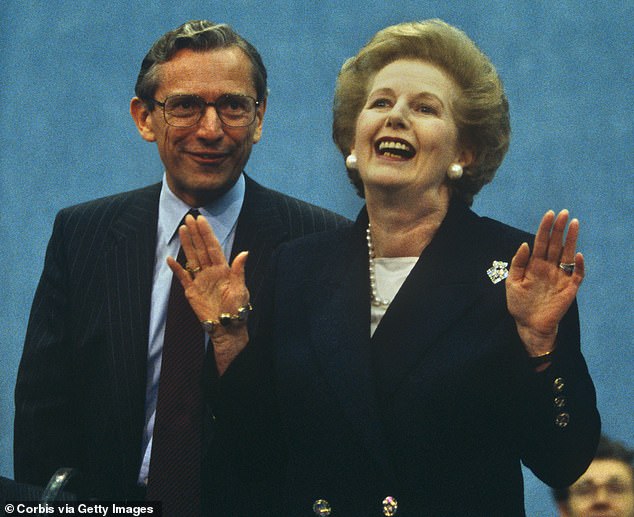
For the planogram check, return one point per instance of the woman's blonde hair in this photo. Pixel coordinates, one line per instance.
(480, 109)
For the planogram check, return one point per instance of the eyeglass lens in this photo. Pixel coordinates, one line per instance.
(187, 110)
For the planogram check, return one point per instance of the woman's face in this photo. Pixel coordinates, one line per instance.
(405, 135)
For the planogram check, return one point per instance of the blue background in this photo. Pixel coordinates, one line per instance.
(67, 71)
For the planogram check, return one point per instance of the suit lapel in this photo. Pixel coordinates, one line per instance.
(447, 280)
(342, 343)
(130, 266)
(260, 229)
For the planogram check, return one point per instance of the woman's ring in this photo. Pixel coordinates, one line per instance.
(567, 267)
(191, 269)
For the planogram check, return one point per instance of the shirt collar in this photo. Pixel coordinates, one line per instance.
(222, 213)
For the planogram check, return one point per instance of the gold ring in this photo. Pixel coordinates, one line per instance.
(191, 269)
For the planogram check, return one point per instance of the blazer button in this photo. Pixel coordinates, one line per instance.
(560, 402)
(562, 419)
(390, 505)
(559, 385)
(321, 507)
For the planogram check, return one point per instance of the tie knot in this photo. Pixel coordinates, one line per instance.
(194, 212)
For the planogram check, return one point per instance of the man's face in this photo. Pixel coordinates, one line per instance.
(203, 161)
(605, 490)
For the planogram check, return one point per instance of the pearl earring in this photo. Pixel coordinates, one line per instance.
(351, 161)
(455, 171)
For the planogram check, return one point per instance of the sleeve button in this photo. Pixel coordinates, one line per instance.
(559, 385)
(562, 420)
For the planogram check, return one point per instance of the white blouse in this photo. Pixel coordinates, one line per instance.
(390, 274)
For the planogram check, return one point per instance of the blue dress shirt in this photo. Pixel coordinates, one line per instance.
(222, 215)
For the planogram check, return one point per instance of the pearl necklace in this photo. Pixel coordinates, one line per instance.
(376, 300)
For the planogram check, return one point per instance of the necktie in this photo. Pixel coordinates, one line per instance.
(175, 463)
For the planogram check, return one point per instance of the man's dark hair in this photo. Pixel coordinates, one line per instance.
(197, 35)
(606, 450)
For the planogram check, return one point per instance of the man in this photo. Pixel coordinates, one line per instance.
(87, 387)
(605, 489)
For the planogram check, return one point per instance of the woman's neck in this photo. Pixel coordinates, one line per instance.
(402, 229)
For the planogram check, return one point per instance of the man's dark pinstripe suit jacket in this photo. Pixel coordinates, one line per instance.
(82, 379)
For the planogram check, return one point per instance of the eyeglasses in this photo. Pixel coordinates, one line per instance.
(589, 489)
(187, 110)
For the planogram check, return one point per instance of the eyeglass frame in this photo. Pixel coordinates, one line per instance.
(204, 105)
(587, 489)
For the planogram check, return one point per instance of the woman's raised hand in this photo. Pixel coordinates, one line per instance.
(542, 285)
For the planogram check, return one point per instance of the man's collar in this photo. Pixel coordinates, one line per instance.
(222, 213)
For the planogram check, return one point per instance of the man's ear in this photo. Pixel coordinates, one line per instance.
(259, 119)
(143, 118)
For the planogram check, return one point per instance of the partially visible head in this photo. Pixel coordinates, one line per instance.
(605, 489)
(480, 108)
(197, 35)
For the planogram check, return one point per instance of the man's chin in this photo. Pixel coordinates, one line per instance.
(214, 185)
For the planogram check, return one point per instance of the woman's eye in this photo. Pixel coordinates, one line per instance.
(425, 108)
(380, 103)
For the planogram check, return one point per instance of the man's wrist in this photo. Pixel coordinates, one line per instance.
(227, 319)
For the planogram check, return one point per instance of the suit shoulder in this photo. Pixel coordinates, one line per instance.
(498, 233)
(300, 216)
(319, 246)
(135, 207)
(113, 202)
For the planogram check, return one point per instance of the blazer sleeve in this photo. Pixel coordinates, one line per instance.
(559, 424)
(44, 431)
(247, 424)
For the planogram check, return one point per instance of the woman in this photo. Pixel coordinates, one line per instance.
(414, 368)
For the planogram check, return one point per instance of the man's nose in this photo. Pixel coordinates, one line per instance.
(210, 124)
(602, 495)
